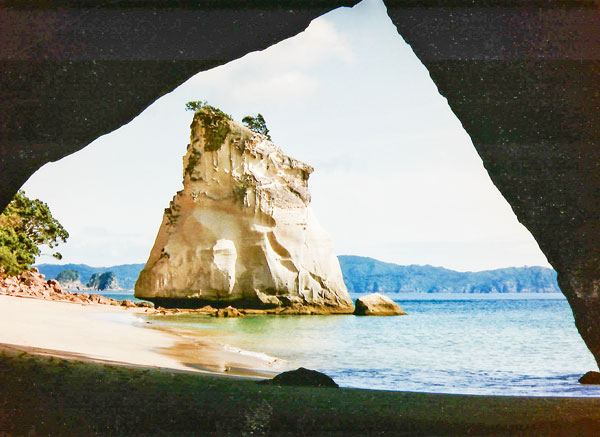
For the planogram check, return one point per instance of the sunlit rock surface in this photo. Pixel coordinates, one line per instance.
(242, 230)
(376, 304)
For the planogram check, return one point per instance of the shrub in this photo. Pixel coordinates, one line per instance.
(25, 225)
(241, 187)
(215, 122)
(195, 105)
(193, 160)
(257, 124)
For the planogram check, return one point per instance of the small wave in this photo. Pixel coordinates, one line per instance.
(259, 355)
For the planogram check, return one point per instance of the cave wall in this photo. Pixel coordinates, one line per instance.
(522, 76)
(72, 71)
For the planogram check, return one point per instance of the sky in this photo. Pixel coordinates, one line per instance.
(396, 176)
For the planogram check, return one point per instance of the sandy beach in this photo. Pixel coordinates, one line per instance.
(117, 335)
(72, 369)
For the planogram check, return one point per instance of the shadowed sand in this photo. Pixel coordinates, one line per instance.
(58, 376)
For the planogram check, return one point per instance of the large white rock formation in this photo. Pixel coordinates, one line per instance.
(242, 230)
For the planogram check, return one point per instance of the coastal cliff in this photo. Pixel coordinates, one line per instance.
(242, 231)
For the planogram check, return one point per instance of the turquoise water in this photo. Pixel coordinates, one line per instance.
(472, 344)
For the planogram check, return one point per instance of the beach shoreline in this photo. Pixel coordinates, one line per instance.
(119, 336)
(47, 395)
(145, 381)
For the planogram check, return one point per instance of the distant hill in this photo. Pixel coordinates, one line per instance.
(367, 275)
(103, 281)
(363, 275)
(126, 274)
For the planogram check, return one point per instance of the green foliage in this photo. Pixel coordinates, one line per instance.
(68, 275)
(94, 281)
(193, 160)
(103, 281)
(216, 127)
(241, 186)
(195, 105)
(257, 124)
(172, 213)
(8, 260)
(215, 122)
(25, 225)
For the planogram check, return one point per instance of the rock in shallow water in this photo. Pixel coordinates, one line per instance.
(228, 312)
(242, 231)
(376, 304)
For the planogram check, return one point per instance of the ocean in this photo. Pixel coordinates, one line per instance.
(487, 344)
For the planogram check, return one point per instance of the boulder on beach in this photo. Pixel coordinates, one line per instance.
(376, 304)
(302, 377)
(242, 231)
(591, 378)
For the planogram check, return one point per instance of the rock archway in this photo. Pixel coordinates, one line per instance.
(523, 77)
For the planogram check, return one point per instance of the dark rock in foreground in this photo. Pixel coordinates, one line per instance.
(377, 305)
(591, 378)
(302, 378)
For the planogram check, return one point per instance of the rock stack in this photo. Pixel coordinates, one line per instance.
(242, 232)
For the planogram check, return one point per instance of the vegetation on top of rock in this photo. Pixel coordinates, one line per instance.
(257, 124)
(67, 276)
(195, 105)
(103, 281)
(126, 274)
(25, 225)
(215, 122)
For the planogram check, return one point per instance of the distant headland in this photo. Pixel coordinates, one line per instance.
(366, 275)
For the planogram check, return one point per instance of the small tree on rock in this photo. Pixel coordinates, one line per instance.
(257, 124)
(195, 105)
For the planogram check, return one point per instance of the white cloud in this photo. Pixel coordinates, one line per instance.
(320, 41)
(279, 74)
(291, 85)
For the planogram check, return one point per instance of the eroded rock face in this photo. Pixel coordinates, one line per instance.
(242, 231)
(376, 304)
